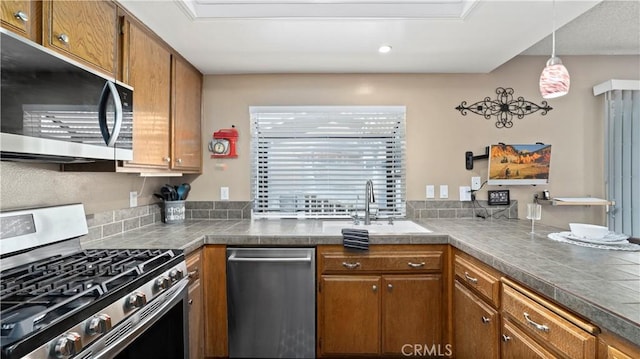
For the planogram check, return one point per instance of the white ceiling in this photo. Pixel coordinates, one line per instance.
(342, 36)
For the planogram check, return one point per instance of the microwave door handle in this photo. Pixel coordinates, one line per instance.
(110, 89)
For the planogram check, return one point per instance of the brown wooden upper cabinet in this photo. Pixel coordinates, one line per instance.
(186, 139)
(83, 30)
(146, 65)
(22, 17)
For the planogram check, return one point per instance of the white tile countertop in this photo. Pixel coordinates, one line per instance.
(602, 285)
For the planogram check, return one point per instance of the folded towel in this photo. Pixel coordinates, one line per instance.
(355, 238)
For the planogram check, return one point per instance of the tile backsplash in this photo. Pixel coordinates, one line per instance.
(105, 224)
(458, 209)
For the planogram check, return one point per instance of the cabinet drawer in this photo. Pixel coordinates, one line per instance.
(564, 332)
(193, 266)
(428, 261)
(485, 284)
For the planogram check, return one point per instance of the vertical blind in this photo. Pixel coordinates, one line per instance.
(314, 161)
(623, 159)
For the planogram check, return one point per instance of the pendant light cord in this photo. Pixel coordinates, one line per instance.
(553, 33)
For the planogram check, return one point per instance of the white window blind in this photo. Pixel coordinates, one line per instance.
(314, 161)
(623, 159)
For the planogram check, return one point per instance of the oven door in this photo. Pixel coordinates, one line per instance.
(158, 330)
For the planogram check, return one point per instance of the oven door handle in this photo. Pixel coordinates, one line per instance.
(234, 258)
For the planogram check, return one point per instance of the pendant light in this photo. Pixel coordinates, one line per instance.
(554, 80)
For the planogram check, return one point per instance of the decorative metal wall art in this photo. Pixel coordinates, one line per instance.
(504, 107)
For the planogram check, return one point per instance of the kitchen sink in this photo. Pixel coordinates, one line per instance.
(376, 227)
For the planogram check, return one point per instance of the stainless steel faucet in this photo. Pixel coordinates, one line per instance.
(368, 198)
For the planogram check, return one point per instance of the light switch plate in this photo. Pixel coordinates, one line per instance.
(465, 193)
(431, 191)
(224, 193)
(475, 183)
(133, 199)
(444, 191)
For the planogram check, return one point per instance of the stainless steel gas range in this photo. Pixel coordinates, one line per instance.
(59, 301)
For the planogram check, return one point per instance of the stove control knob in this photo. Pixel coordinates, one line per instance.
(176, 275)
(99, 324)
(163, 283)
(67, 345)
(135, 300)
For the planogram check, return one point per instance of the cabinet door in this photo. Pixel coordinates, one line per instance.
(196, 307)
(186, 134)
(196, 321)
(20, 16)
(147, 67)
(412, 312)
(85, 30)
(349, 315)
(517, 345)
(477, 328)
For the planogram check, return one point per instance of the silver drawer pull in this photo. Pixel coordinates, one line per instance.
(374, 288)
(416, 265)
(390, 286)
(64, 38)
(193, 274)
(485, 319)
(351, 265)
(21, 16)
(540, 327)
(505, 338)
(470, 278)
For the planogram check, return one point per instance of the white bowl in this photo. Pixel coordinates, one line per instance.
(589, 231)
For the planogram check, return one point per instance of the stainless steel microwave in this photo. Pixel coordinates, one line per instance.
(55, 109)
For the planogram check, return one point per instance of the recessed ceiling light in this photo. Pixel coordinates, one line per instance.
(384, 49)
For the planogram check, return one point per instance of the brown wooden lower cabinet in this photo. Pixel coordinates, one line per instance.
(196, 307)
(476, 326)
(518, 345)
(388, 301)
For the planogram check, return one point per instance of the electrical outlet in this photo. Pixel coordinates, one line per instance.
(431, 191)
(224, 193)
(475, 183)
(444, 191)
(465, 193)
(133, 199)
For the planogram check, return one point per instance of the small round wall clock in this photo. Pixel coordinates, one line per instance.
(219, 146)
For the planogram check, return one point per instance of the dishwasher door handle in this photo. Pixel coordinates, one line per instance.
(233, 258)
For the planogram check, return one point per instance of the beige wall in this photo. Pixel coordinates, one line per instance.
(437, 134)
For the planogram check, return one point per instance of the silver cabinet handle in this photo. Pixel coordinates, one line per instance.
(505, 338)
(390, 286)
(351, 265)
(179, 160)
(21, 16)
(374, 287)
(416, 265)
(190, 301)
(470, 278)
(193, 273)
(167, 159)
(485, 320)
(540, 327)
(64, 38)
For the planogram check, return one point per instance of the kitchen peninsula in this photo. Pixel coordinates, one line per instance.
(600, 286)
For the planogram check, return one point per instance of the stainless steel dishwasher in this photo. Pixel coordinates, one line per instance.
(271, 302)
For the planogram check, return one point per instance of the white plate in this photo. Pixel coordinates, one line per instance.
(611, 237)
(608, 239)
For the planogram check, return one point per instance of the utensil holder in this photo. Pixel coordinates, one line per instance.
(173, 212)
